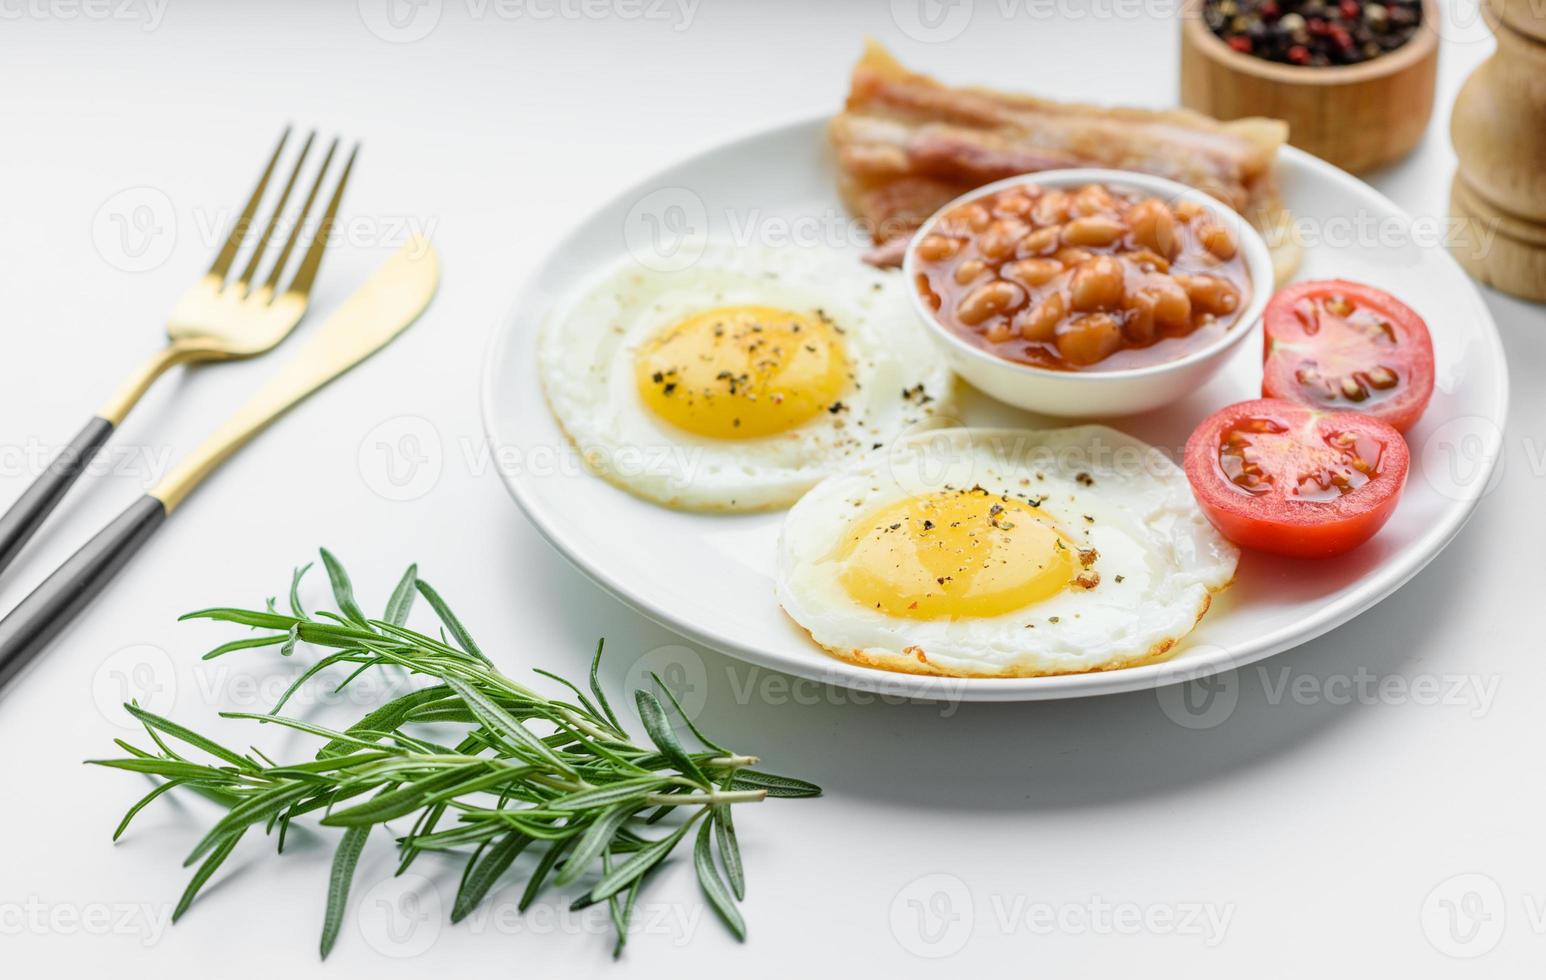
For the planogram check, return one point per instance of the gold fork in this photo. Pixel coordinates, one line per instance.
(215, 320)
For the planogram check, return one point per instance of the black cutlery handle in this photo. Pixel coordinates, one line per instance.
(52, 605)
(22, 520)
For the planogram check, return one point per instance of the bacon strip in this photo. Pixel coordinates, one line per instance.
(906, 144)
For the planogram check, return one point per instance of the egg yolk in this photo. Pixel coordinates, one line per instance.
(955, 554)
(739, 372)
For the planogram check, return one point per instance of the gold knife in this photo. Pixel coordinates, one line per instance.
(391, 299)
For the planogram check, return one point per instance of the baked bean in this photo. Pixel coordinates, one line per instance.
(1090, 338)
(1097, 284)
(966, 218)
(938, 248)
(1216, 239)
(1147, 261)
(988, 300)
(1138, 326)
(1210, 294)
(1001, 237)
(1066, 277)
(999, 331)
(1040, 321)
(1012, 205)
(1154, 227)
(1042, 241)
(968, 271)
(1050, 209)
(1033, 272)
(1097, 231)
(1172, 307)
(1091, 199)
(927, 292)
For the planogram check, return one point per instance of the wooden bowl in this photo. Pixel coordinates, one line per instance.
(1355, 116)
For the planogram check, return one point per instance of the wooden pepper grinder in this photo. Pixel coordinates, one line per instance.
(1499, 131)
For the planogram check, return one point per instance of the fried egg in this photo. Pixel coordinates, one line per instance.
(738, 382)
(1002, 553)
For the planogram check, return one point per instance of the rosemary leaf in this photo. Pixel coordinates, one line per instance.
(628, 789)
(482, 875)
(295, 591)
(211, 864)
(595, 687)
(517, 736)
(458, 631)
(344, 861)
(343, 589)
(594, 842)
(686, 720)
(637, 864)
(784, 787)
(544, 868)
(714, 885)
(729, 850)
(658, 727)
(398, 607)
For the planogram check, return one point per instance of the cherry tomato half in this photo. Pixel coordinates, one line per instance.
(1287, 478)
(1341, 346)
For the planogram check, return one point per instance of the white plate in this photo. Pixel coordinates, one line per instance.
(709, 577)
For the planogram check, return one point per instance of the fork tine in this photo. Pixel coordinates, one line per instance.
(300, 221)
(307, 273)
(234, 240)
(273, 220)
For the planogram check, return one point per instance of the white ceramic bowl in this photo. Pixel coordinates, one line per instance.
(1097, 393)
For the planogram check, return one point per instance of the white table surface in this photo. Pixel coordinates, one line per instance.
(1369, 803)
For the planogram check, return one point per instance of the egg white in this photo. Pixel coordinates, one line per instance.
(1159, 558)
(586, 355)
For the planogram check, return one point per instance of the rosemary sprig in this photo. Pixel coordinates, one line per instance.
(559, 775)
